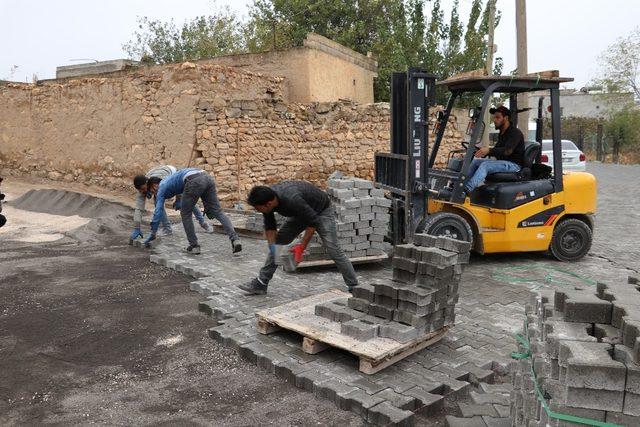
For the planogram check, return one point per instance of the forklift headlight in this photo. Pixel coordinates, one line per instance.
(472, 113)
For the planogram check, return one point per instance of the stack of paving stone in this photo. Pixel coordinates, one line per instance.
(420, 299)
(255, 222)
(584, 350)
(363, 219)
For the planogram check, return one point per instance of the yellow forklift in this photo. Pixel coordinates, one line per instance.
(536, 209)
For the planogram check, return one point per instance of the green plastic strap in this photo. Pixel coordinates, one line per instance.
(505, 274)
(522, 340)
(565, 417)
(551, 414)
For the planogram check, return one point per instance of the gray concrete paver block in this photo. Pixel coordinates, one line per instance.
(489, 398)
(465, 422)
(359, 329)
(385, 413)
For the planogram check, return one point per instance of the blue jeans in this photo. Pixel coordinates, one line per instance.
(480, 168)
(166, 224)
(202, 186)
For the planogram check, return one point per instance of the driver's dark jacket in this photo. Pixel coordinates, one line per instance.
(510, 146)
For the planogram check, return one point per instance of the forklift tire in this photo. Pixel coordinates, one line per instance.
(571, 240)
(447, 224)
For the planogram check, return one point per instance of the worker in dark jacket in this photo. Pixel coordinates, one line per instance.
(308, 209)
(508, 151)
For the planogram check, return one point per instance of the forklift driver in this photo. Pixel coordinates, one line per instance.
(508, 152)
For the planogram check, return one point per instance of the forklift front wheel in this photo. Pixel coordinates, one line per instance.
(446, 224)
(571, 240)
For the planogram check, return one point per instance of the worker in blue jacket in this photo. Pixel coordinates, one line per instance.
(192, 184)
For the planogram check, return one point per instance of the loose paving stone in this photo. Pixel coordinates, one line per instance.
(471, 409)
(359, 329)
(465, 422)
(396, 399)
(497, 422)
(386, 414)
(489, 398)
(502, 410)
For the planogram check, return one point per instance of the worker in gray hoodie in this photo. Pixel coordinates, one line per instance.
(140, 183)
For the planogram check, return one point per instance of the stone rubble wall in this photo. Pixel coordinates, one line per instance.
(104, 129)
(246, 143)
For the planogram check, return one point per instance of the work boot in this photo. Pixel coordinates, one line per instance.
(254, 287)
(193, 249)
(236, 246)
(445, 193)
(207, 227)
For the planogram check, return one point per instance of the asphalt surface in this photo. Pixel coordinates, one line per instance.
(97, 334)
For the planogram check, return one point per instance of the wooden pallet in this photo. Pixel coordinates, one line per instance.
(320, 333)
(325, 262)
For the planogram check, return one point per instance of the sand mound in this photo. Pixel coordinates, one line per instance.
(61, 202)
(105, 217)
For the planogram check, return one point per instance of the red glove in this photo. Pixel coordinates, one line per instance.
(298, 251)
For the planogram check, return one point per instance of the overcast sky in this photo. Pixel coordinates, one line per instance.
(38, 35)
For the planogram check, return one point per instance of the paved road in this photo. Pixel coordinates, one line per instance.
(618, 217)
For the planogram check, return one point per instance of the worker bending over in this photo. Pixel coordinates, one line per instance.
(192, 184)
(140, 182)
(308, 209)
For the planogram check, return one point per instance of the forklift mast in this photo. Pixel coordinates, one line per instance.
(403, 171)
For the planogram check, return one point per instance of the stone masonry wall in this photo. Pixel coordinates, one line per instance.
(103, 130)
(245, 143)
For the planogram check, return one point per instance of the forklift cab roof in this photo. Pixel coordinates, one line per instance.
(502, 84)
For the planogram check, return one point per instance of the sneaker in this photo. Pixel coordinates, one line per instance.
(254, 287)
(193, 250)
(165, 232)
(207, 227)
(236, 246)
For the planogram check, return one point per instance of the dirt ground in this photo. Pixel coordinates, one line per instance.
(94, 333)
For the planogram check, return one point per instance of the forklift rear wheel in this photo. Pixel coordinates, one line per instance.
(571, 240)
(447, 224)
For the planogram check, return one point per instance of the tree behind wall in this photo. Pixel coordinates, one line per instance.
(622, 130)
(401, 34)
(398, 33)
(162, 42)
(620, 65)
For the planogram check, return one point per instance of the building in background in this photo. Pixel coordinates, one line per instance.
(320, 70)
(96, 67)
(586, 103)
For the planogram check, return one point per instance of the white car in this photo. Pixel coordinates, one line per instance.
(572, 158)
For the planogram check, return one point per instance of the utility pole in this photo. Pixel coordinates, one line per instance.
(274, 32)
(489, 66)
(521, 35)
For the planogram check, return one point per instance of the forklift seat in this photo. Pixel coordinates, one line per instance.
(508, 195)
(531, 150)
